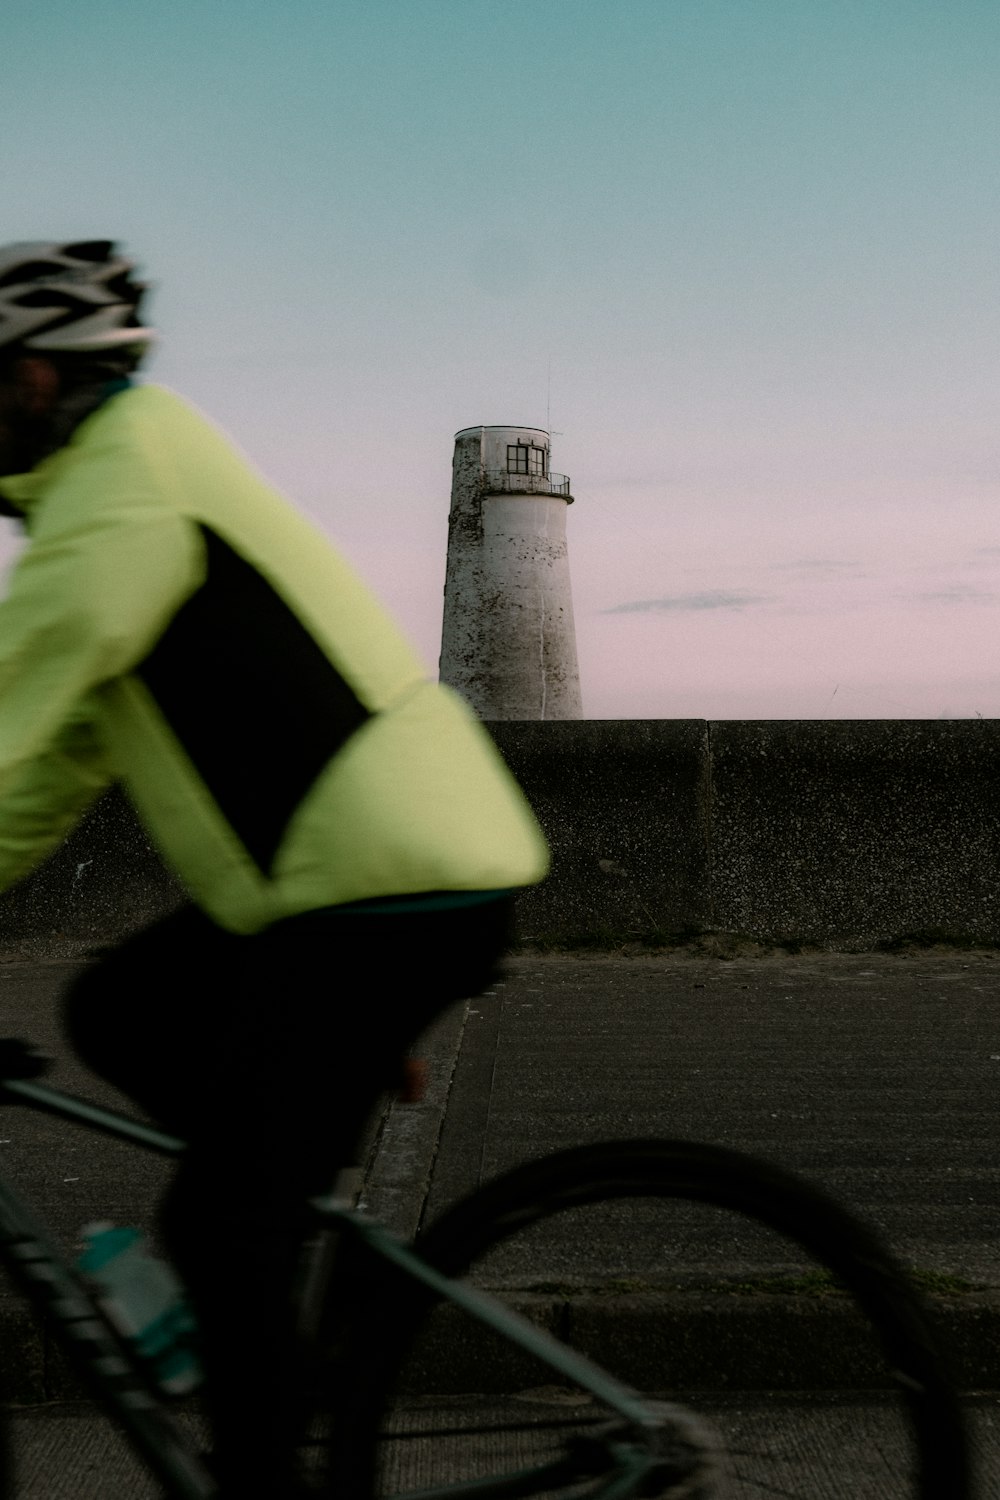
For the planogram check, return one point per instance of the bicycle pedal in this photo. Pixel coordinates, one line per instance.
(688, 1455)
(684, 1453)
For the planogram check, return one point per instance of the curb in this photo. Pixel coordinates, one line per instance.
(704, 1341)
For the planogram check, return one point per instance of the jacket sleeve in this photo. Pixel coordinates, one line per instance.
(87, 602)
(47, 798)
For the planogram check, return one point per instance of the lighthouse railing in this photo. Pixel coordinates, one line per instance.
(500, 481)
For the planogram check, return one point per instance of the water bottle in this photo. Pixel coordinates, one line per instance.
(144, 1301)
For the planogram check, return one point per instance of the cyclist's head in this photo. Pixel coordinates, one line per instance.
(69, 324)
(74, 300)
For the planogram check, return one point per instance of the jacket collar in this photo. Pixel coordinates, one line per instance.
(22, 490)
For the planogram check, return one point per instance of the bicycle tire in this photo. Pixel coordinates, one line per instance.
(671, 1173)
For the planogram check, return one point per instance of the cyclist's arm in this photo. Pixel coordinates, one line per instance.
(87, 602)
(47, 798)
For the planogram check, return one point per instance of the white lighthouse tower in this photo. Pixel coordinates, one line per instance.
(508, 643)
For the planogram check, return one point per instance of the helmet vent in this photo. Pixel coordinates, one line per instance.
(74, 298)
(45, 297)
(32, 270)
(96, 250)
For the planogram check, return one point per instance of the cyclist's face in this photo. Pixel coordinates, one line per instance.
(9, 424)
(29, 389)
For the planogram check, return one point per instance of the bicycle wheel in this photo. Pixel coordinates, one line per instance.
(798, 1381)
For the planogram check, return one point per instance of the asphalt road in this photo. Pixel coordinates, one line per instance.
(875, 1075)
(819, 1448)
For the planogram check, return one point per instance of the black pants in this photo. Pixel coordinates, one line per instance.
(267, 1053)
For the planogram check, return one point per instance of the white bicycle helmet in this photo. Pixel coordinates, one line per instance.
(74, 298)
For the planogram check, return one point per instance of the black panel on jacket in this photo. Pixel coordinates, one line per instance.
(252, 698)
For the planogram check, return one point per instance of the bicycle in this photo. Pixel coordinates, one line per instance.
(367, 1296)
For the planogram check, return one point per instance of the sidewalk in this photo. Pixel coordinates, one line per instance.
(875, 1075)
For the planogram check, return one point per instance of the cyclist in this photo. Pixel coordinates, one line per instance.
(347, 836)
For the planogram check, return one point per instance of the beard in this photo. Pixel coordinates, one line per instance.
(26, 439)
(23, 444)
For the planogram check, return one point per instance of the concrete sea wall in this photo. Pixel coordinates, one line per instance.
(105, 881)
(842, 834)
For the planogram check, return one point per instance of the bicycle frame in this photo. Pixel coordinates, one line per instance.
(36, 1261)
(50, 1282)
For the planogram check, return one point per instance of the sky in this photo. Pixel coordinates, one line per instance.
(738, 255)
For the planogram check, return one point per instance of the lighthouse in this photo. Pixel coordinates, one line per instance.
(508, 643)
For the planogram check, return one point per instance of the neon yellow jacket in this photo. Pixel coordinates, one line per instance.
(174, 624)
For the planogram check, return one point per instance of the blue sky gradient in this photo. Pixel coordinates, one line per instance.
(740, 256)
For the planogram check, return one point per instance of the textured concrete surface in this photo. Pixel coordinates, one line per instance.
(104, 881)
(626, 808)
(876, 1077)
(828, 1448)
(846, 835)
(824, 831)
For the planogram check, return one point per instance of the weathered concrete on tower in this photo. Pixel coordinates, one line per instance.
(508, 644)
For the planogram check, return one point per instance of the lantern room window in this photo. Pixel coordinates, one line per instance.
(525, 458)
